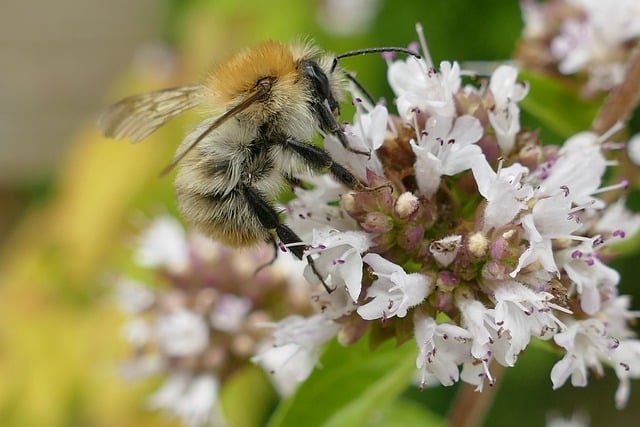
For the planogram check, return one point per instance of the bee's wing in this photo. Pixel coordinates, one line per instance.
(137, 116)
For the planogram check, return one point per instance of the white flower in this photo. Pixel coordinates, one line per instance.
(170, 392)
(586, 342)
(198, 406)
(617, 315)
(445, 250)
(316, 210)
(479, 321)
(593, 279)
(338, 260)
(334, 304)
(563, 175)
(522, 313)
(295, 350)
(446, 147)
(418, 87)
(137, 332)
(347, 17)
(133, 296)
(230, 312)
(181, 332)
(633, 149)
(193, 400)
(594, 40)
(535, 21)
(143, 366)
(475, 372)
(505, 116)
(504, 191)
(578, 419)
(616, 218)
(443, 347)
(164, 244)
(305, 331)
(394, 291)
(625, 360)
(366, 135)
(550, 219)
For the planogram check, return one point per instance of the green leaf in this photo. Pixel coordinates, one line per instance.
(406, 413)
(247, 397)
(556, 106)
(352, 386)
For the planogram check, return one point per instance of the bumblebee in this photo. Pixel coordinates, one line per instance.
(268, 102)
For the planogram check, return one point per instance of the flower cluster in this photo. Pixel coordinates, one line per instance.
(471, 237)
(589, 38)
(209, 314)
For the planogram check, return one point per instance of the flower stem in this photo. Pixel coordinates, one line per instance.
(470, 407)
(623, 99)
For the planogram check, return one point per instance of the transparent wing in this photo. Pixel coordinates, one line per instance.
(137, 116)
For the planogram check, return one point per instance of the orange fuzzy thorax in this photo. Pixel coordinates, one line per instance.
(240, 73)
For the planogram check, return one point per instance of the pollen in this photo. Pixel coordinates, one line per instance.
(478, 244)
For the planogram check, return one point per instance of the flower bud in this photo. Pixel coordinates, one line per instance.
(377, 222)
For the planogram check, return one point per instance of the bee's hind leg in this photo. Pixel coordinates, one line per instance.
(269, 218)
(276, 248)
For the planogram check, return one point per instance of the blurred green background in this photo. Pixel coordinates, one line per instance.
(71, 199)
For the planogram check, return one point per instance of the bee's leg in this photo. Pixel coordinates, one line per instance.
(314, 268)
(339, 133)
(324, 105)
(270, 220)
(296, 182)
(318, 158)
(272, 260)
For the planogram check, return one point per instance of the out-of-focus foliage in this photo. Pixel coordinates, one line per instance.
(59, 331)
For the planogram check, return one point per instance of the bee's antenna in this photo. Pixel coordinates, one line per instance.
(373, 50)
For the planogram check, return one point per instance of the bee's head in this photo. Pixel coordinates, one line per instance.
(323, 89)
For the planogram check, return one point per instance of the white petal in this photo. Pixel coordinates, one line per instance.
(428, 169)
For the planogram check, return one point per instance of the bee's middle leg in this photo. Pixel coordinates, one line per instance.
(318, 158)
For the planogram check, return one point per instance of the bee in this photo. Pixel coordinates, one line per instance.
(268, 102)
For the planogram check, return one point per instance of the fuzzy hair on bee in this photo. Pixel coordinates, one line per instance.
(265, 105)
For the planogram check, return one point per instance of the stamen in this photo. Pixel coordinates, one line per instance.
(612, 131)
(487, 373)
(619, 233)
(423, 46)
(623, 184)
(614, 146)
(500, 164)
